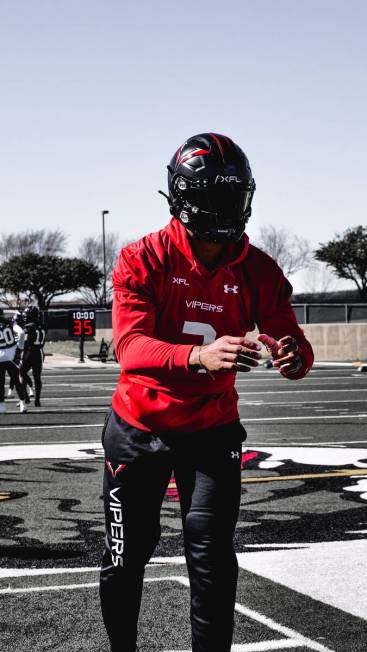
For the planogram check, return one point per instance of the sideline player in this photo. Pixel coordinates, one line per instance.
(18, 328)
(34, 341)
(8, 351)
(184, 299)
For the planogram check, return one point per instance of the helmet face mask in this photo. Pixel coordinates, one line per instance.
(31, 314)
(214, 212)
(211, 188)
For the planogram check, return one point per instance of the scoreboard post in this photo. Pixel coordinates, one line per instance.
(81, 323)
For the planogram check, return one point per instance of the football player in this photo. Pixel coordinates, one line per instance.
(8, 351)
(18, 328)
(184, 300)
(33, 356)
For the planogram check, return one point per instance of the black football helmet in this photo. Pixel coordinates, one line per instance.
(211, 186)
(31, 315)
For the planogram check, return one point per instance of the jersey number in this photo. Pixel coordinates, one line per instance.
(40, 337)
(206, 331)
(6, 338)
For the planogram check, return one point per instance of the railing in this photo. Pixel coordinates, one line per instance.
(328, 313)
(306, 313)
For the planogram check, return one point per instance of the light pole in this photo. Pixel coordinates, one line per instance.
(104, 258)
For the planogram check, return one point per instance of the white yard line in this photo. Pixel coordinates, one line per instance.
(75, 451)
(297, 403)
(308, 379)
(84, 386)
(46, 442)
(281, 629)
(65, 398)
(294, 639)
(316, 444)
(57, 587)
(308, 418)
(68, 410)
(88, 375)
(264, 646)
(66, 425)
(33, 572)
(300, 391)
(36, 572)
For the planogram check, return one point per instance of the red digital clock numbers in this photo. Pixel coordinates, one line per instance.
(82, 326)
(82, 323)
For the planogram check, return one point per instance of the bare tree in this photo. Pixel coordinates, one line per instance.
(320, 280)
(42, 242)
(91, 250)
(291, 252)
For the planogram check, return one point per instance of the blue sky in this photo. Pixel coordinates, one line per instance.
(96, 97)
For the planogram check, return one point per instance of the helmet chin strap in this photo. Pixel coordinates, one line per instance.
(173, 206)
(160, 192)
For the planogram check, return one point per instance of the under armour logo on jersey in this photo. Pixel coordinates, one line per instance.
(235, 455)
(180, 281)
(233, 289)
(117, 470)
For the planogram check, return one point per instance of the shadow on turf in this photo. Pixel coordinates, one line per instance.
(37, 552)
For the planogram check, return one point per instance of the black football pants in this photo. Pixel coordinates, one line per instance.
(207, 467)
(32, 360)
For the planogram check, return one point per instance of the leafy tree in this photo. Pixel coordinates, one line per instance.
(291, 252)
(91, 250)
(347, 254)
(42, 242)
(42, 278)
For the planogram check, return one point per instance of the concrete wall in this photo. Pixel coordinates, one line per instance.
(338, 341)
(335, 342)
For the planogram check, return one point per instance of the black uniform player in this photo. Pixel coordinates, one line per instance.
(34, 340)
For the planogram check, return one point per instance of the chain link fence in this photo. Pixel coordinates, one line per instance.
(330, 313)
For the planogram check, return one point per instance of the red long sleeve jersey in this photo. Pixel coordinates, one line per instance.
(165, 303)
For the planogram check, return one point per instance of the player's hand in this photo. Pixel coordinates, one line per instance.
(227, 353)
(285, 353)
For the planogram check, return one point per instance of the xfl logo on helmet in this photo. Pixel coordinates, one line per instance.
(228, 179)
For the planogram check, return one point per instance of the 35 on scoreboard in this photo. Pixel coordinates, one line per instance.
(82, 323)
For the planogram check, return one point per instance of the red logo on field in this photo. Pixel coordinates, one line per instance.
(117, 470)
(246, 457)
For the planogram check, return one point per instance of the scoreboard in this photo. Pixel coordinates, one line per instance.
(81, 323)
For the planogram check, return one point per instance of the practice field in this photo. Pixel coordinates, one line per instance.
(301, 535)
